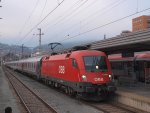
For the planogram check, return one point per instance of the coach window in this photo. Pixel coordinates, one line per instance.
(32, 65)
(74, 63)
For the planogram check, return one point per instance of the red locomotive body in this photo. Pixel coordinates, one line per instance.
(71, 66)
(85, 72)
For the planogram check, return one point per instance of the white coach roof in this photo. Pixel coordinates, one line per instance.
(33, 59)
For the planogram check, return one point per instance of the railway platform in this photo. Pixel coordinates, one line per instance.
(7, 97)
(137, 96)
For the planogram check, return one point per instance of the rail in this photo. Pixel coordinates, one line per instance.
(31, 101)
(109, 107)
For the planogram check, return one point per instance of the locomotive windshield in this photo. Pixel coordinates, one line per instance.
(95, 63)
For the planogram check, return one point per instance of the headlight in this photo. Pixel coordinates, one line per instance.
(110, 77)
(84, 78)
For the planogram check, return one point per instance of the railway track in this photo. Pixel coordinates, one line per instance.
(32, 102)
(109, 108)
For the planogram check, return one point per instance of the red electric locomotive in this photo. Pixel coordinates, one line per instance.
(86, 73)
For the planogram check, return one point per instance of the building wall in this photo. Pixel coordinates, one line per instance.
(140, 23)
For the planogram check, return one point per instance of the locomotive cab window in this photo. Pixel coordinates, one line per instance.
(95, 63)
(74, 63)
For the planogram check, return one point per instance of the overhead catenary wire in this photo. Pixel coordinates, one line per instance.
(29, 17)
(69, 9)
(105, 25)
(137, 7)
(42, 20)
(71, 12)
(113, 5)
(66, 16)
(43, 9)
(106, 9)
(82, 33)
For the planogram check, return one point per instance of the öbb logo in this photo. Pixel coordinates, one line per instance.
(61, 69)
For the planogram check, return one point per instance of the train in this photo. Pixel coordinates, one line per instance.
(137, 67)
(83, 73)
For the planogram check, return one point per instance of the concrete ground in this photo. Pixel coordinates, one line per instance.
(140, 89)
(7, 97)
(135, 95)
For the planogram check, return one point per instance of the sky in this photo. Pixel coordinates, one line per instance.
(66, 21)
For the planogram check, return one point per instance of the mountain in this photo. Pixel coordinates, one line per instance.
(5, 49)
(15, 50)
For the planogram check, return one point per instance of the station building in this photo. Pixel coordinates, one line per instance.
(140, 23)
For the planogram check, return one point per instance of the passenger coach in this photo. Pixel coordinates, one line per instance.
(138, 66)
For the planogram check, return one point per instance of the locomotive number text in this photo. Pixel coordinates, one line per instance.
(98, 79)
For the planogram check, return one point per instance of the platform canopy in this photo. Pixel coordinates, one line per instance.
(125, 43)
